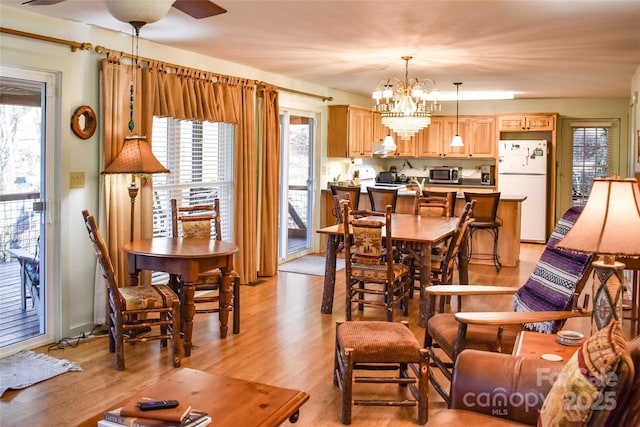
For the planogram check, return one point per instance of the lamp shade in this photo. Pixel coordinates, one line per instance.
(610, 221)
(456, 141)
(135, 157)
(145, 11)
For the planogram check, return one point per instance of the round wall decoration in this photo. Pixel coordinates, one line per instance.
(83, 122)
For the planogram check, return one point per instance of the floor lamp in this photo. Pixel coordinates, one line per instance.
(609, 226)
(135, 158)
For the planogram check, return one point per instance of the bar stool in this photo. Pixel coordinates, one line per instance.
(379, 198)
(352, 192)
(485, 218)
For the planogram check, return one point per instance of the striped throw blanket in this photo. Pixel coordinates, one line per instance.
(553, 282)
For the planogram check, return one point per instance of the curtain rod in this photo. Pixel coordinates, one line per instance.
(104, 50)
(73, 45)
(100, 49)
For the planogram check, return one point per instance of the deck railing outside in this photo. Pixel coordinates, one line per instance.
(298, 199)
(19, 224)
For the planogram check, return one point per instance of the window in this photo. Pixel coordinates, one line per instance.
(200, 158)
(594, 155)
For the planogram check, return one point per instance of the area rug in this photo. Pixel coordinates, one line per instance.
(26, 368)
(310, 264)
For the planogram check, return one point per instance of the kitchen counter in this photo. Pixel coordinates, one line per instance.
(509, 210)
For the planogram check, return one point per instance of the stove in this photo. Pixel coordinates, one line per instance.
(390, 185)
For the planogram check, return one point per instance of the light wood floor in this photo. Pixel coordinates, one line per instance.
(284, 341)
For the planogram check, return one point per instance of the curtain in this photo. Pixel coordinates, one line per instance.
(183, 94)
(269, 123)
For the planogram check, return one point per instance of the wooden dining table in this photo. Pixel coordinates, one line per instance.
(414, 233)
(186, 258)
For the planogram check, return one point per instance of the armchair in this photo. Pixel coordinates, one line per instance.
(543, 303)
(486, 387)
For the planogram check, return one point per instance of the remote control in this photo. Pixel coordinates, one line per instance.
(157, 404)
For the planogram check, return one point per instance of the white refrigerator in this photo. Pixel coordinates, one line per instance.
(522, 170)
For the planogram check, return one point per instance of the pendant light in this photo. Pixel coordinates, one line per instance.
(456, 141)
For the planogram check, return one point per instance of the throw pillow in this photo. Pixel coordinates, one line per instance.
(587, 389)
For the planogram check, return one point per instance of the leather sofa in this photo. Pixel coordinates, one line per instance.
(496, 390)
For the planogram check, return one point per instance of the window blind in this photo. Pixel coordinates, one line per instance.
(200, 156)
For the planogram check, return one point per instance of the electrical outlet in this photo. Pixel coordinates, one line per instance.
(76, 180)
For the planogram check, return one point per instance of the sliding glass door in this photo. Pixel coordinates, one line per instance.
(25, 133)
(296, 191)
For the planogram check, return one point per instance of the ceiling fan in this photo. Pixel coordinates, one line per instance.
(197, 9)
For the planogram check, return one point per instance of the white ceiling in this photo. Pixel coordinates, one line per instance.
(539, 49)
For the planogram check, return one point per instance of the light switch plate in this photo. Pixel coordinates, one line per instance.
(76, 180)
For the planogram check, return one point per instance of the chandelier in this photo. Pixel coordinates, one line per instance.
(404, 105)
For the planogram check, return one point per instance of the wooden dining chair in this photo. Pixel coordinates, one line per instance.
(373, 277)
(430, 205)
(135, 309)
(443, 264)
(203, 221)
(451, 196)
(380, 198)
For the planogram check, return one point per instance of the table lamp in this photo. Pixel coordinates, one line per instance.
(135, 158)
(609, 227)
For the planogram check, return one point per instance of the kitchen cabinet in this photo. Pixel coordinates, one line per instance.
(429, 140)
(478, 135)
(405, 148)
(482, 137)
(526, 122)
(350, 131)
(450, 125)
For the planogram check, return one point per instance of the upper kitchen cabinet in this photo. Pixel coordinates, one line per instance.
(451, 125)
(526, 122)
(482, 137)
(478, 135)
(350, 131)
(405, 148)
(429, 140)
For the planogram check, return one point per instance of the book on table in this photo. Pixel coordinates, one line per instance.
(177, 414)
(195, 418)
(201, 422)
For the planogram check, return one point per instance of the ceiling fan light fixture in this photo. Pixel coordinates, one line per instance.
(144, 11)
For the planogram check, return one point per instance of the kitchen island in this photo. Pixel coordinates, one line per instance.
(509, 210)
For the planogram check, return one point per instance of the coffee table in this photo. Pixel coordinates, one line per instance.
(229, 401)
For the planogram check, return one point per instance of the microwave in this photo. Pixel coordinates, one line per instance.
(445, 175)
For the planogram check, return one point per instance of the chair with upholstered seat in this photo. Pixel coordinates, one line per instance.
(203, 221)
(379, 198)
(380, 346)
(486, 218)
(451, 196)
(135, 309)
(373, 277)
(430, 205)
(542, 304)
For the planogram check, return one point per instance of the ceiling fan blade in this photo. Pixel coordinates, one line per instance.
(41, 2)
(198, 9)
